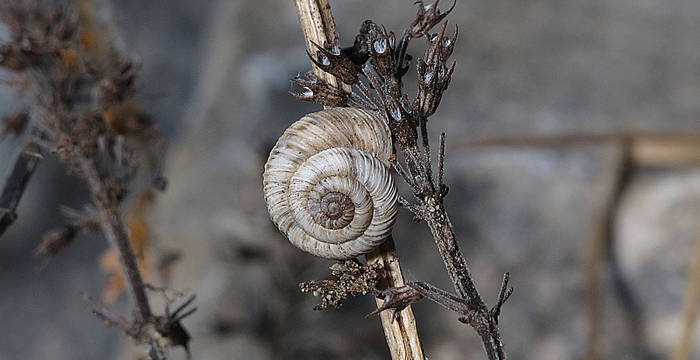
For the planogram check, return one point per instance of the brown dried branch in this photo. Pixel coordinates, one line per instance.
(317, 90)
(442, 297)
(691, 305)
(428, 16)
(319, 28)
(388, 62)
(434, 75)
(16, 184)
(503, 296)
(396, 299)
(84, 106)
(115, 232)
(55, 241)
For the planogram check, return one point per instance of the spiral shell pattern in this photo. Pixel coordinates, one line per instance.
(327, 183)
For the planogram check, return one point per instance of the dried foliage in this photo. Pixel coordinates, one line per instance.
(86, 111)
(351, 279)
(375, 65)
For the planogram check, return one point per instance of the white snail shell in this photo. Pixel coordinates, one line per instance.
(327, 183)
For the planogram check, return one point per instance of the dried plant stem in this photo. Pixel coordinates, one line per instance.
(16, 183)
(634, 149)
(483, 320)
(646, 148)
(400, 330)
(602, 234)
(402, 335)
(691, 305)
(115, 231)
(319, 27)
(602, 258)
(443, 233)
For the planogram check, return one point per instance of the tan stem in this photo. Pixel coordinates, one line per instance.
(602, 236)
(646, 148)
(319, 27)
(401, 335)
(690, 312)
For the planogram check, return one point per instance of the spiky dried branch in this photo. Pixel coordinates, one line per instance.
(329, 84)
(383, 61)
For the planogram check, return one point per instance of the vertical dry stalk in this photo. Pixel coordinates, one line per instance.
(401, 333)
(602, 256)
(115, 231)
(602, 234)
(319, 27)
(691, 304)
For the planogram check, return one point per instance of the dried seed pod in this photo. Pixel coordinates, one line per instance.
(327, 183)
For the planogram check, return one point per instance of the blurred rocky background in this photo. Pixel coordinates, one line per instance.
(215, 76)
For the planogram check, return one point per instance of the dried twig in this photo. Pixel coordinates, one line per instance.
(383, 60)
(399, 327)
(634, 150)
(601, 243)
(319, 30)
(115, 232)
(691, 306)
(646, 148)
(603, 252)
(16, 183)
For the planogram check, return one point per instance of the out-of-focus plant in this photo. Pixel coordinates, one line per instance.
(85, 110)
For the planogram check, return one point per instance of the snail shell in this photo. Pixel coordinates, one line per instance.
(327, 183)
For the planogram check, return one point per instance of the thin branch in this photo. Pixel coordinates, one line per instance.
(106, 314)
(441, 161)
(405, 174)
(690, 308)
(503, 296)
(442, 297)
(383, 63)
(399, 327)
(16, 184)
(426, 149)
(115, 232)
(413, 208)
(648, 148)
(602, 252)
(402, 335)
(433, 78)
(187, 303)
(319, 27)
